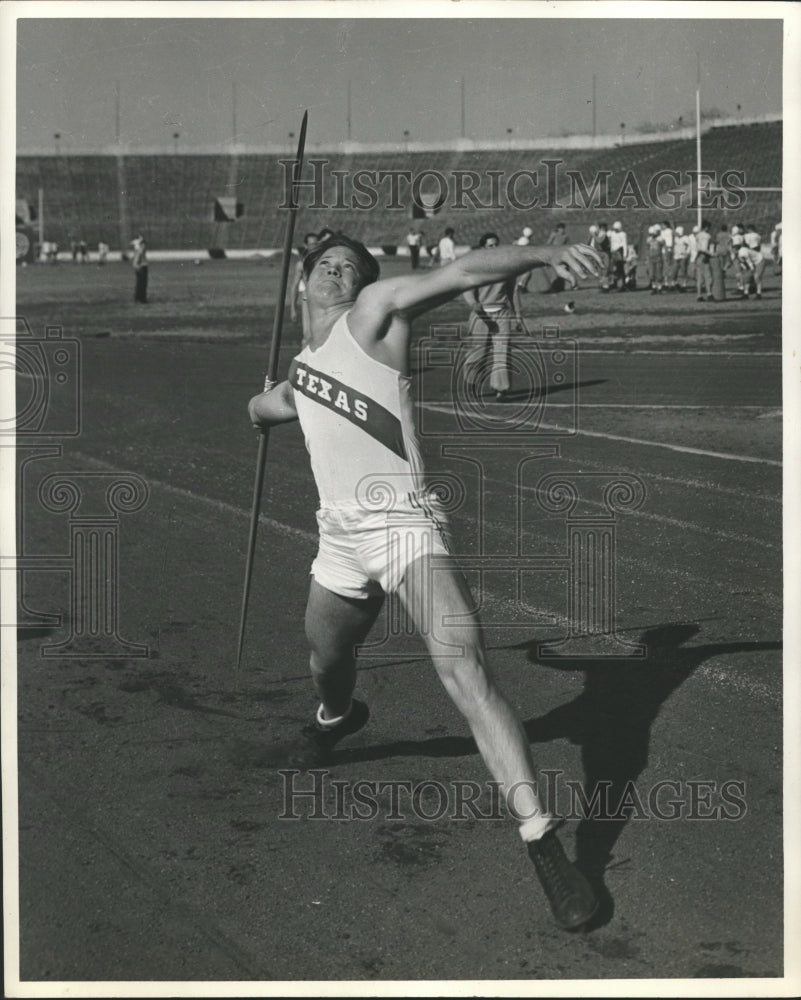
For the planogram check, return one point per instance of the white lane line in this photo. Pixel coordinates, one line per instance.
(669, 352)
(219, 505)
(673, 522)
(657, 477)
(684, 449)
(771, 410)
(742, 682)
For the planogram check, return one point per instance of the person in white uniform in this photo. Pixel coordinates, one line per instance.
(349, 387)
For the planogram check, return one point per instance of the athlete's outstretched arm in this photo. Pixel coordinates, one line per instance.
(414, 294)
(276, 406)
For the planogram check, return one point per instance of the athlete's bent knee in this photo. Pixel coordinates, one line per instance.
(467, 682)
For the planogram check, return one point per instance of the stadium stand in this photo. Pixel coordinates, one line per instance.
(170, 198)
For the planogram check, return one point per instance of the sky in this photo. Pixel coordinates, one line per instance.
(532, 74)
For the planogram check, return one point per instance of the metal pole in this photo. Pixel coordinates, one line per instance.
(463, 111)
(698, 140)
(593, 105)
(349, 116)
(117, 113)
(233, 109)
(41, 216)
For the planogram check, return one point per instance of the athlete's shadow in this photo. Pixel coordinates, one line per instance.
(549, 390)
(611, 721)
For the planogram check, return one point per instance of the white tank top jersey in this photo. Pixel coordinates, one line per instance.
(357, 418)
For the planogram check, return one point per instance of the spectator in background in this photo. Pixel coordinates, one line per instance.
(666, 232)
(632, 259)
(776, 247)
(557, 236)
(703, 266)
(723, 248)
(692, 240)
(414, 240)
(139, 262)
(102, 253)
(83, 251)
(752, 239)
(737, 241)
(618, 245)
(656, 259)
(74, 249)
(447, 249)
(298, 291)
(492, 313)
(681, 258)
(602, 245)
(752, 265)
(592, 236)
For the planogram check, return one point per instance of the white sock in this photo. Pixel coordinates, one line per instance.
(536, 827)
(330, 723)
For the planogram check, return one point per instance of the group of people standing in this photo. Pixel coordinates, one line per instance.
(440, 253)
(676, 258)
(619, 256)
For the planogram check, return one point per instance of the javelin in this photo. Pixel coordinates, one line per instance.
(272, 368)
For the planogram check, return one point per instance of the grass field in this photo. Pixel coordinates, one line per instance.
(151, 843)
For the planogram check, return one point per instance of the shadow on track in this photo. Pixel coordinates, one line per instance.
(610, 720)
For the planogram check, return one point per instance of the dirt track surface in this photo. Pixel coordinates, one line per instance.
(154, 837)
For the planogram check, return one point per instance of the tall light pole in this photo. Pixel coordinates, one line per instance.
(622, 133)
(291, 141)
(406, 139)
(698, 137)
(509, 136)
(117, 113)
(463, 132)
(175, 137)
(593, 105)
(349, 114)
(56, 140)
(233, 111)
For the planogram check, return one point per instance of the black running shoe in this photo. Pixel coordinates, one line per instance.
(323, 740)
(572, 900)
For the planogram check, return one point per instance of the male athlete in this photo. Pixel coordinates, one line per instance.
(350, 389)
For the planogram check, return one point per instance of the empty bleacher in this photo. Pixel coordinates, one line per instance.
(170, 197)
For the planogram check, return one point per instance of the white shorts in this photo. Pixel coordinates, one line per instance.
(366, 553)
